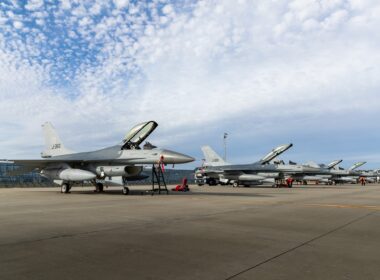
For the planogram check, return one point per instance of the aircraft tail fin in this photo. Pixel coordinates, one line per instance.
(211, 157)
(54, 145)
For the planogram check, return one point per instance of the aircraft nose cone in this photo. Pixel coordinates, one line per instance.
(174, 157)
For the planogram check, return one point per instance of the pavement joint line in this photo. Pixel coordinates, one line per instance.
(148, 223)
(299, 246)
(60, 236)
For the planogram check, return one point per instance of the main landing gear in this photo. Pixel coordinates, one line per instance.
(65, 188)
(99, 187)
(125, 190)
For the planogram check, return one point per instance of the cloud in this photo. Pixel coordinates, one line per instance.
(18, 24)
(198, 67)
(34, 5)
(120, 4)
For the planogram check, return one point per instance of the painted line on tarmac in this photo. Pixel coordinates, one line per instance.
(350, 206)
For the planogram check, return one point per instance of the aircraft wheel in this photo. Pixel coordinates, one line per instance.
(125, 190)
(99, 187)
(65, 188)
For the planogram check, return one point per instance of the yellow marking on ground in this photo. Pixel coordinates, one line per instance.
(369, 207)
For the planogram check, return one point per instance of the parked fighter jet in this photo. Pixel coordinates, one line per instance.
(124, 159)
(371, 176)
(320, 172)
(216, 170)
(268, 169)
(340, 175)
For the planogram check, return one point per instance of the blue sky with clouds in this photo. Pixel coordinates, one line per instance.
(266, 72)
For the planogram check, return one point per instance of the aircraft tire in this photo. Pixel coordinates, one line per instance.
(99, 187)
(65, 188)
(212, 182)
(125, 190)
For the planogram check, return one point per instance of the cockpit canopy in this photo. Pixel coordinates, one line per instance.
(275, 153)
(138, 134)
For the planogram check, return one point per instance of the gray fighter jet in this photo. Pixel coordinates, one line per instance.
(319, 173)
(215, 170)
(125, 159)
(350, 175)
(371, 176)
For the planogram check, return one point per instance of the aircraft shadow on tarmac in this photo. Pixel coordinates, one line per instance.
(149, 192)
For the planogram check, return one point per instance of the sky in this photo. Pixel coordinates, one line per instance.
(266, 72)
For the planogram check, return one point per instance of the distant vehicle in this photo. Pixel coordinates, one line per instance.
(123, 160)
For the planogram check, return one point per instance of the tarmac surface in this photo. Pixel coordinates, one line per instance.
(307, 232)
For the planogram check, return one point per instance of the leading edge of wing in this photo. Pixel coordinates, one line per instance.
(44, 162)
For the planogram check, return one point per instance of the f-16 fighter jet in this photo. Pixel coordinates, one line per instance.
(340, 175)
(215, 170)
(313, 175)
(124, 159)
(371, 176)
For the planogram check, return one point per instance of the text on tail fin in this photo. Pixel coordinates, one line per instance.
(53, 144)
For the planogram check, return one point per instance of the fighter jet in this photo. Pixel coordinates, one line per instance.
(340, 175)
(124, 159)
(268, 169)
(215, 170)
(318, 172)
(371, 176)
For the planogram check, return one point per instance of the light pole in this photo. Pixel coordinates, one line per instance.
(225, 145)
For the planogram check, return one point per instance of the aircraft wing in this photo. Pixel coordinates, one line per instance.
(29, 165)
(37, 163)
(45, 162)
